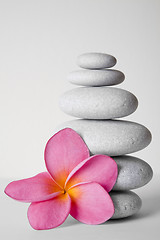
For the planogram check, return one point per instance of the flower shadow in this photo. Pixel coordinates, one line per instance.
(70, 221)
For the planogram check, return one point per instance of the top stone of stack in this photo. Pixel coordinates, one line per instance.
(96, 61)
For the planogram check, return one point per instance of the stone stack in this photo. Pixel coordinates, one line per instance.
(98, 105)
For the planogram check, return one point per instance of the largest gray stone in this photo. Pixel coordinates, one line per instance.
(110, 137)
(98, 102)
(133, 173)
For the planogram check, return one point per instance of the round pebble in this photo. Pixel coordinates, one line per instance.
(96, 61)
(98, 102)
(133, 173)
(96, 78)
(110, 137)
(125, 203)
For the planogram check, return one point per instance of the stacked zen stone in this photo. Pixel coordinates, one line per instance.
(97, 104)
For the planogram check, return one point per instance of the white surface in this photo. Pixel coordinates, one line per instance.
(40, 41)
(144, 225)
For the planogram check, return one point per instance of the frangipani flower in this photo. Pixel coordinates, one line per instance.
(75, 184)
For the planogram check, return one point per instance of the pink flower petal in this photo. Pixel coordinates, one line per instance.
(38, 188)
(49, 214)
(63, 152)
(99, 168)
(90, 204)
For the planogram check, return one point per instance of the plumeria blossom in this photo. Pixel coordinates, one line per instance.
(76, 183)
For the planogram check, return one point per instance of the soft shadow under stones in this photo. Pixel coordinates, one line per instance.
(150, 204)
(71, 221)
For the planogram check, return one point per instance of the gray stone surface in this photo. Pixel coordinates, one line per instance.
(105, 77)
(126, 204)
(96, 60)
(98, 102)
(110, 137)
(133, 173)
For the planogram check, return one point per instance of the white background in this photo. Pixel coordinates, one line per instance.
(39, 43)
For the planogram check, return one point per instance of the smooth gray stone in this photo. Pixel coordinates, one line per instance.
(96, 78)
(125, 203)
(96, 60)
(133, 173)
(98, 102)
(110, 137)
